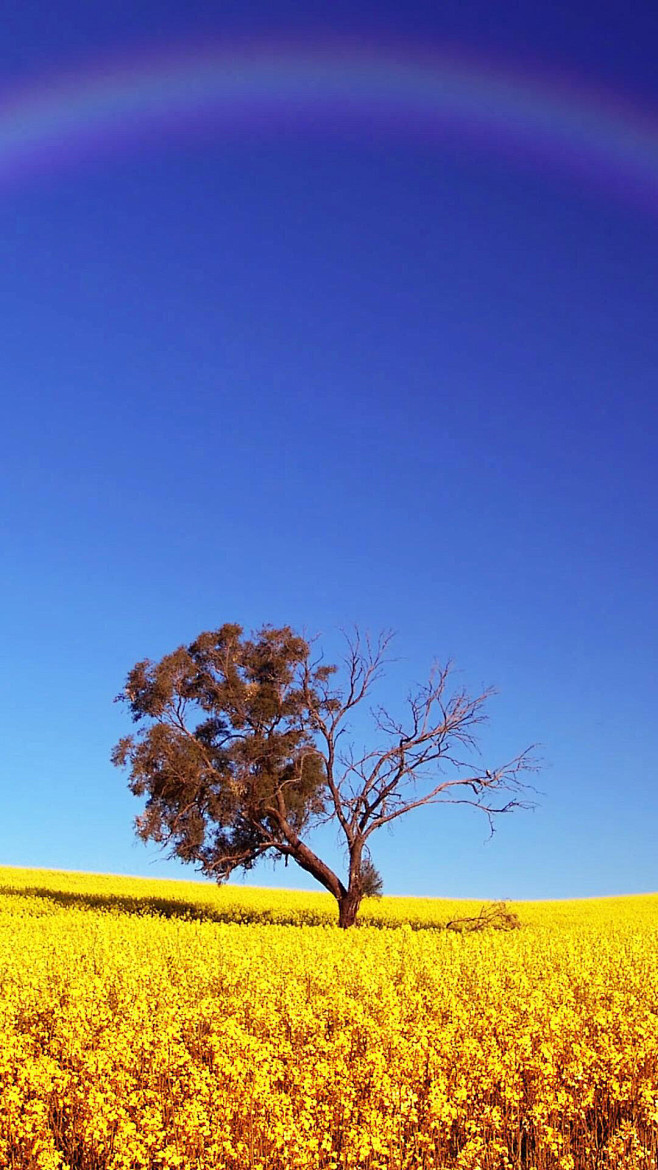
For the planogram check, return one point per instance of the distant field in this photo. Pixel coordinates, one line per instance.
(172, 1024)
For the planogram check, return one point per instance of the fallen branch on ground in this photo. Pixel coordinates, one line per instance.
(495, 916)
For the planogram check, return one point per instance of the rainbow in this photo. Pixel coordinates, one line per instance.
(228, 90)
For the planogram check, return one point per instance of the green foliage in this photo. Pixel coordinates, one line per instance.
(225, 751)
(370, 881)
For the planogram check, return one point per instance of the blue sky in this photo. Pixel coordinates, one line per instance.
(328, 379)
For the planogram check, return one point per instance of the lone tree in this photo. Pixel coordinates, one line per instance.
(242, 753)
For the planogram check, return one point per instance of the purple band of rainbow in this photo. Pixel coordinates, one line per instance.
(322, 89)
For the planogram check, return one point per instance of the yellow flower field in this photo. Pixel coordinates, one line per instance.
(172, 1024)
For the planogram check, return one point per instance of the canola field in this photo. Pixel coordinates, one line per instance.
(148, 1024)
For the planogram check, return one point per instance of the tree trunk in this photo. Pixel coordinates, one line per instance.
(348, 908)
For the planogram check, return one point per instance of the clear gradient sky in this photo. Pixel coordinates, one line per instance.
(316, 378)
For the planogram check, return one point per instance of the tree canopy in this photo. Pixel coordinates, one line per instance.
(243, 749)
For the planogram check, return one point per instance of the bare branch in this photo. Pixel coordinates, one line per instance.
(483, 787)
